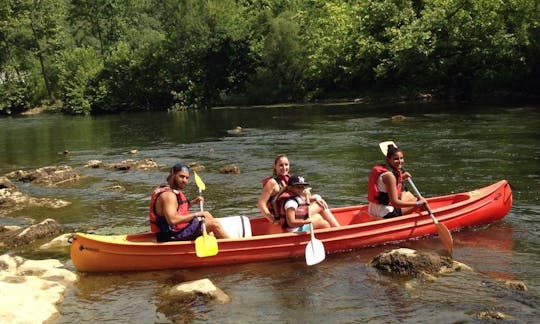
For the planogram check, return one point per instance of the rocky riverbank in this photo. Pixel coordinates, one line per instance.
(31, 289)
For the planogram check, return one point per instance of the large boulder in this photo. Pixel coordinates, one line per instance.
(47, 228)
(411, 263)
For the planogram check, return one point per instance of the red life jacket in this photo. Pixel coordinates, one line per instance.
(280, 180)
(374, 195)
(302, 212)
(159, 223)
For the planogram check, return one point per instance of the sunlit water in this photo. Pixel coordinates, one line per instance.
(447, 150)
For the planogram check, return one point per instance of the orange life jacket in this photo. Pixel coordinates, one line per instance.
(159, 223)
(374, 195)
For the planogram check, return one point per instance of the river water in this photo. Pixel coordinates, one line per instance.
(447, 149)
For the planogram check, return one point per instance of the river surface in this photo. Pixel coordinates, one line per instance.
(447, 149)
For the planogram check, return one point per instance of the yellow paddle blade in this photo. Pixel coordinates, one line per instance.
(206, 245)
(384, 146)
(198, 181)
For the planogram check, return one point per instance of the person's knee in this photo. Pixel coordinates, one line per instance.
(212, 223)
(315, 208)
(408, 196)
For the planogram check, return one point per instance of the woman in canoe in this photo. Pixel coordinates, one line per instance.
(384, 187)
(274, 185)
(169, 213)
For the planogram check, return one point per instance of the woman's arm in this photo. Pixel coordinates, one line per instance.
(390, 182)
(292, 221)
(269, 188)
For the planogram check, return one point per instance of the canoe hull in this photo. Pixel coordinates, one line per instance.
(138, 252)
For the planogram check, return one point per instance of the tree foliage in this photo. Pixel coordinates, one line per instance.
(116, 55)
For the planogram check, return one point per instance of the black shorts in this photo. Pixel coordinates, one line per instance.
(395, 213)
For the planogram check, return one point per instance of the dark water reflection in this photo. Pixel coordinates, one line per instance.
(448, 149)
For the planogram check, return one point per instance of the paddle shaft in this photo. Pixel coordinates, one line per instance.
(312, 238)
(420, 196)
(201, 205)
(443, 231)
(308, 198)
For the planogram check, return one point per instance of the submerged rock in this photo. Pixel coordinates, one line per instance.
(13, 200)
(197, 167)
(229, 168)
(94, 164)
(235, 131)
(398, 118)
(515, 285)
(491, 315)
(145, 164)
(47, 176)
(203, 287)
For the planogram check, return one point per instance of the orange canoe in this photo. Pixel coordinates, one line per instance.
(259, 240)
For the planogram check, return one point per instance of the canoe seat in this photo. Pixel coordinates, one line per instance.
(236, 226)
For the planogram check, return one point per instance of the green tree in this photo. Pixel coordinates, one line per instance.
(328, 37)
(79, 69)
(460, 46)
(205, 55)
(46, 21)
(15, 95)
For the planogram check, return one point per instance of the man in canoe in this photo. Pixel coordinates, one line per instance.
(169, 213)
(384, 187)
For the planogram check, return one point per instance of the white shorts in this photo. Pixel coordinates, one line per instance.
(379, 210)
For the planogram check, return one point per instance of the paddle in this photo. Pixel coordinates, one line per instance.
(315, 252)
(205, 245)
(444, 233)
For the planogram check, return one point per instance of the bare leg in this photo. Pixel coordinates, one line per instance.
(318, 221)
(213, 225)
(315, 208)
(327, 214)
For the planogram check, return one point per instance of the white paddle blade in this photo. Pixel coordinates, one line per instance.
(315, 252)
(384, 146)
